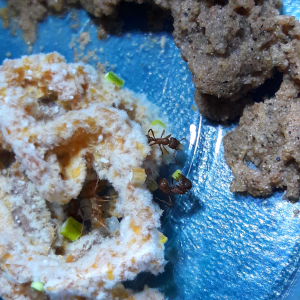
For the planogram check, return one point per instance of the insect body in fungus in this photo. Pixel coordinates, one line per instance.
(169, 141)
(91, 209)
(181, 188)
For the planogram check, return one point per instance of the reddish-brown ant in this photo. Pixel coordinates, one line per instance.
(172, 142)
(89, 207)
(181, 188)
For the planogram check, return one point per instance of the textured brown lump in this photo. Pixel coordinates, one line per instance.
(231, 47)
(267, 136)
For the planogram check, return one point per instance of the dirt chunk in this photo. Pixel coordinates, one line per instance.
(231, 47)
(100, 8)
(263, 152)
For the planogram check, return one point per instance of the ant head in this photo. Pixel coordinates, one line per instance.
(163, 184)
(187, 184)
(173, 144)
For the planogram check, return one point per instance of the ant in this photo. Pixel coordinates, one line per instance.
(183, 186)
(87, 209)
(172, 142)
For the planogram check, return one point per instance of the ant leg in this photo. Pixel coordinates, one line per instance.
(107, 198)
(101, 199)
(152, 132)
(172, 179)
(153, 143)
(162, 133)
(96, 186)
(165, 149)
(174, 154)
(82, 225)
(161, 149)
(103, 225)
(168, 203)
(187, 141)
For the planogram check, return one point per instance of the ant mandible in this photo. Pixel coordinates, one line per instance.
(172, 142)
(183, 186)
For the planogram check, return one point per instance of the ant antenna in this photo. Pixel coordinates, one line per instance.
(187, 141)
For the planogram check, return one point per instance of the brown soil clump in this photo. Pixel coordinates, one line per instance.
(267, 137)
(231, 47)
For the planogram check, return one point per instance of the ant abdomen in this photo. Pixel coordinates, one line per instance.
(173, 143)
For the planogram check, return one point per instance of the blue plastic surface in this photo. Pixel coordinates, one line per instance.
(221, 245)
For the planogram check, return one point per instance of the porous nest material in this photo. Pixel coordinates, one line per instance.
(62, 121)
(231, 47)
(263, 152)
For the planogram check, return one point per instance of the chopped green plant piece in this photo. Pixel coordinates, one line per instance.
(71, 229)
(157, 122)
(152, 186)
(194, 108)
(38, 286)
(163, 239)
(114, 78)
(176, 175)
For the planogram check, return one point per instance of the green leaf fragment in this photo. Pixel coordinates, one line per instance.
(114, 78)
(157, 122)
(38, 286)
(176, 175)
(152, 186)
(71, 229)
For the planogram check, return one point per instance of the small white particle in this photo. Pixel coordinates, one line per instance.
(16, 217)
(104, 160)
(71, 97)
(69, 125)
(29, 72)
(33, 206)
(18, 221)
(50, 88)
(100, 138)
(73, 71)
(64, 72)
